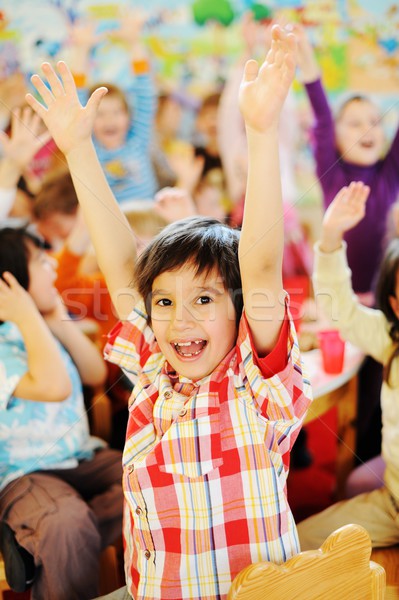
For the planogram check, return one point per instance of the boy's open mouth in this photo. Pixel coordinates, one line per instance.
(189, 348)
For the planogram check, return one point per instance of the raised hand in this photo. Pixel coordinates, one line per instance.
(15, 302)
(345, 212)
(27, 137)
(69, 123)
(174, 204)
(307, 62)
(263, 90)
(83, 34)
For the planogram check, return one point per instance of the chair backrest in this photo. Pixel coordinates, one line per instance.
(340, 570)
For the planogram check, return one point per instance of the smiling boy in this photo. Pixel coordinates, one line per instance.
(219, 395)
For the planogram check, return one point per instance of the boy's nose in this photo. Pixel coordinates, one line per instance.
(183, 318)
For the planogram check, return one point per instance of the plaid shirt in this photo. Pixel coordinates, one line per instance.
(206, 463)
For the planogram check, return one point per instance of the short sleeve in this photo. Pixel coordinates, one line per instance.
(277, 381)
(131, 344)
(13, 362)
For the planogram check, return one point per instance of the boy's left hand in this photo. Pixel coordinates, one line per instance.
(69, 123)
(264, 89)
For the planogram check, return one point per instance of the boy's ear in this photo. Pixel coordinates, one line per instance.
(394, 305)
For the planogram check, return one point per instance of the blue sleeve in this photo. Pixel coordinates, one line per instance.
(13, 362)
(141, 96)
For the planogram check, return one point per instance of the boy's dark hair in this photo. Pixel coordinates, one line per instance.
(203, 242)
(386, 287)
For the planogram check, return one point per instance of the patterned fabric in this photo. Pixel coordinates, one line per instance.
(206, 463)
(38, 435)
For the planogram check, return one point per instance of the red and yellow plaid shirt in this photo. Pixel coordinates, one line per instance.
(206, 463)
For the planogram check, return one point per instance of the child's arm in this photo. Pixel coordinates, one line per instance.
(70, 125)
(325, 150)
(307, 63)
(140, 91)
(261, 98)
(19, 149)
(46, 379)
(83, 352)
(364, 327)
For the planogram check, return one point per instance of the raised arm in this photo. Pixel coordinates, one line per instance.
(262, 94)
(18, 150)
(70, 125)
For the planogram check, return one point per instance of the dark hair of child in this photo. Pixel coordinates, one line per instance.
(204, 243)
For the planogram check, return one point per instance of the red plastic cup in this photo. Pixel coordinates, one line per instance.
(332, 351)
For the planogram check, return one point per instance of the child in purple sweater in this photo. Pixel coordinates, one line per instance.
(350, 149)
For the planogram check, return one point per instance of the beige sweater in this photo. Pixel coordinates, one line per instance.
(368, 329)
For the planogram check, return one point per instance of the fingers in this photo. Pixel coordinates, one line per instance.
(67, 79)
(10, 280)
(250, 70)
(42, 88)
(36, 106)
(96, 98)
(56, 86)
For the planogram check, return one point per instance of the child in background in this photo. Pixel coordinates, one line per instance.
(219, 394)
(350, 149)
(54, 210)
(61, 499)
(124, 121)
(375, 332)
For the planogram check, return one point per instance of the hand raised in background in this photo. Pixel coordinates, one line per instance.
(174, 203)
(345, 212)
(26, 139)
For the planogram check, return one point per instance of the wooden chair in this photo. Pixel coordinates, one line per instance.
(341, 569)
(389, 559)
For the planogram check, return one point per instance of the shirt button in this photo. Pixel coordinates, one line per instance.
(138, 511)
(147, 554)
(182, 412)
(168, 394)
(130, 469)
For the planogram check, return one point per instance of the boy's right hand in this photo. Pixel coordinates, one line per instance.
(345, 212)
(16, 304)
(69, 123)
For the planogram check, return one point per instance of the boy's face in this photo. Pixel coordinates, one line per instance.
(359, 133)
(112, 123)
(56, 227)
(193, 319)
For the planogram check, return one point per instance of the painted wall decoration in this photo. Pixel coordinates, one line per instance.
(193, 43)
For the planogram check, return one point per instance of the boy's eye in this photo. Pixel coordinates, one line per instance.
(204, 300)
(163, 302)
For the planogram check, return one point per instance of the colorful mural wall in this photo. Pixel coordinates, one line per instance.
(194, 42)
